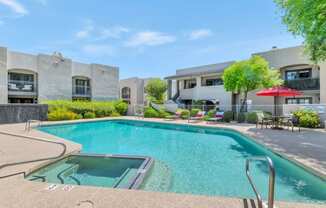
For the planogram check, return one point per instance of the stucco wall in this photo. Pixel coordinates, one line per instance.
(18, 60)
(105, 82)
(54, 80)
(3, 76)
(323, 83)
(80, 69)
(278, 58)
(136, 93)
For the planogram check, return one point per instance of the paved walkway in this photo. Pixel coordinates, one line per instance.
(17, 192)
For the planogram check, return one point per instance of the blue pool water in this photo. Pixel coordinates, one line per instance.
(194, 160)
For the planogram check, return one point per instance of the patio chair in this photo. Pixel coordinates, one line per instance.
(219, 115)
(291, 122)
(198, 117)
(263, 120)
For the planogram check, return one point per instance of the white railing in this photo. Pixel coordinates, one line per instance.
(18, 85)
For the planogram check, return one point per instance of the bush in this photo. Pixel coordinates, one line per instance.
(63, 114)
(89, 115)
(121, 107)
(79, 116)
(241, 117)
(162, 113)
(211, 113)
(99, 108)
(307, 118)
(184, 114)
(194, 111)
(251, 117)
(150, 112)
(228, 116)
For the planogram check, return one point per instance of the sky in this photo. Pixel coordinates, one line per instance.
(144, 38)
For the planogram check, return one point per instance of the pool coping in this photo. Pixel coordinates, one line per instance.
(119, 197)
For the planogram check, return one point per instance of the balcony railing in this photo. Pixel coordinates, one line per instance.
(81, 90)
(22, 86)
(303, 84)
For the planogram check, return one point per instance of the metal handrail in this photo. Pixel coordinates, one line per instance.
(30, 161)
(271, 185)
(28, 124)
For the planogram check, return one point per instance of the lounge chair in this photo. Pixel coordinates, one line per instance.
(263, 120)
(198, 117)
(219, 115)
(177, 115)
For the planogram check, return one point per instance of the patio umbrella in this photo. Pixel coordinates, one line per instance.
(278, 91)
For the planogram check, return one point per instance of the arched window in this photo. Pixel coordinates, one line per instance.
(125, 93)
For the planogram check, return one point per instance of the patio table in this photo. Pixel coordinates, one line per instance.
(277, 121)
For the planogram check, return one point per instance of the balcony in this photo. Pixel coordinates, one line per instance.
(81, 91)
(303, 84)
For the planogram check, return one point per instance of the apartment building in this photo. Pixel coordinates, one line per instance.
(132, 90)
(205, 83)
(27, 78)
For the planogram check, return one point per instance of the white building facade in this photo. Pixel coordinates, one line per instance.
(205, 82)
(26, 78)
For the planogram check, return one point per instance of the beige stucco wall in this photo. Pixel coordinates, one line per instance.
(105, 82)
(55, 79)
(323, 82)
(3, 76)
(136, 86)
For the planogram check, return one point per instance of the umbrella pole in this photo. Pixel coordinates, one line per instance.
(275, 105)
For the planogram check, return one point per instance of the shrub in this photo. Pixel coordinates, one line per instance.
(60, 115)
(79, 116)
(307, 118)
(115, 114)
(89, 115)
(162, 113)
(150, 112)
(121, 107)
(228, 116)
(241, 117)
(184, 114)
(251, 117)
(194, 111)
(211, 113)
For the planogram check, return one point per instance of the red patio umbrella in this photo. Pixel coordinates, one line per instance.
(278, 91)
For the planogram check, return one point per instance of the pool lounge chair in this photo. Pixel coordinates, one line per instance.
(291, 122)
(219, 115)
(198, 117)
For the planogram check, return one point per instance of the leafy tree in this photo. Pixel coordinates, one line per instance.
(156, 89)
(307, 18)
(245, 76)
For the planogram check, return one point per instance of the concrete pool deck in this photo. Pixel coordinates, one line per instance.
(307, 147)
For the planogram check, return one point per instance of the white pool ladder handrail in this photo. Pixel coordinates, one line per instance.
(271, 185)
(28, 124)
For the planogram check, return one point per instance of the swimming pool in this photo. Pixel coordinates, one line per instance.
(194, 160)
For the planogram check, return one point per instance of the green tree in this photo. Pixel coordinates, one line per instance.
(307, 18)
(245, 76)
(156, 89)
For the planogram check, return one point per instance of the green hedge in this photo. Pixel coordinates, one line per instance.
(307, 118)
(194, 111)
(62, 109)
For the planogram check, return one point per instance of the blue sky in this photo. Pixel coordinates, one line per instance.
(144, 38)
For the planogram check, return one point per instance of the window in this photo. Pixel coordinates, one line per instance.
(125, 93)
(212, 81)
(303, 100)
(82, 86)
(298, 74)
(21, 77)
(190, 83)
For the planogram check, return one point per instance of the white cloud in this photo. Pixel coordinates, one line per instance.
(98, 49)
(149, 38)
(114, 32)
(86, 31)
(200, 34)
(15, 6)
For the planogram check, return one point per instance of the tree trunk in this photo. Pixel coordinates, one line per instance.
(244, 103)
